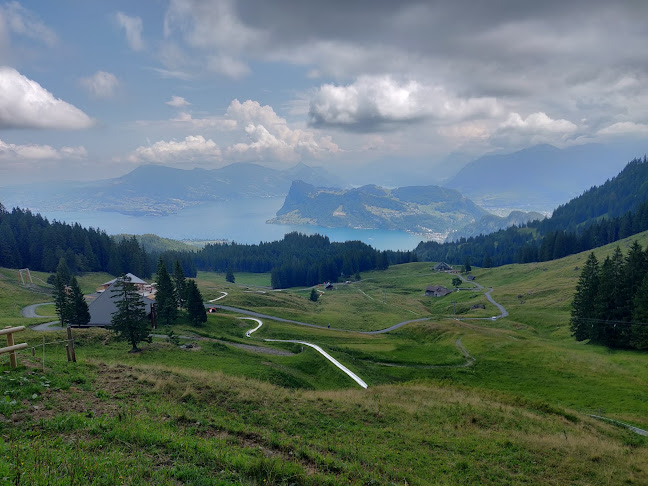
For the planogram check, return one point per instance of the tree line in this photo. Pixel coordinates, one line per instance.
(610, 305)
(601, 215)
(30, 240)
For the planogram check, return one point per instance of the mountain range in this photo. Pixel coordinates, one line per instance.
(430, 210)
(159, 190)
(541, 177)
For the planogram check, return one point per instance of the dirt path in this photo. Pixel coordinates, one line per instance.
(246, 347)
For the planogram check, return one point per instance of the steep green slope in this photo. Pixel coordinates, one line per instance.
(419, 209)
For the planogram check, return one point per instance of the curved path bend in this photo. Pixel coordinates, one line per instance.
(30, 310)
(353, 376)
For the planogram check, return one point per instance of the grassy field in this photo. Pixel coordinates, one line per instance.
(515, 412)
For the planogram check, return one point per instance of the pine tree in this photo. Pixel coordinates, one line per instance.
(639, 328)
(129, 322)
(230, 275)
(78, 308)
(165, 295)
(488, 262)
(61, 301)
(195, 305)
(180, 284)
(466, 265)
(584, 303)
(63, 271)
(314, 295)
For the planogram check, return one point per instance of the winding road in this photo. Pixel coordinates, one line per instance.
(30, 311)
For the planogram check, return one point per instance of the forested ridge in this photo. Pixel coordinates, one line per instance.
(603, 214)
(30, 240)
(610, 306)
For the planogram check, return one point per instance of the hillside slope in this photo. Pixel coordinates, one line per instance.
(541, 177)
(418, 209)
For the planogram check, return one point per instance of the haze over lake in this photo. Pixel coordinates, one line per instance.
(242, 221)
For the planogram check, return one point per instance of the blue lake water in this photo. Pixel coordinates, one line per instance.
(242, 221)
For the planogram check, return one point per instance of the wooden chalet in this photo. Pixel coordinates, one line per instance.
(443, 267)
(104, 306)
(436, 291)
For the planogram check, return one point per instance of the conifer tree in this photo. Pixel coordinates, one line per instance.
(639, 328)
(79, 314)
(165, 295)
(63, 271)
(230, 275)
(488, 262)
(195, 305)
(584, 303)
(61, 301)
(314, 295)
(129, 322)
(180, 284)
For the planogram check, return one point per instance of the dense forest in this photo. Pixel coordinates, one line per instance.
(602, 215)
(297, 259)
(610, 306)
(29, 240)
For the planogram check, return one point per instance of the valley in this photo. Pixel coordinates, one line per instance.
(477, 401)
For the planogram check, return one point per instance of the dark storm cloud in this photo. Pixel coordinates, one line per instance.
(531, 56)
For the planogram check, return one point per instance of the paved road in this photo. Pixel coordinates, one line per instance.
(30, 310)
(636, 430)
(258, 321)
(355, 377)
(500, 307)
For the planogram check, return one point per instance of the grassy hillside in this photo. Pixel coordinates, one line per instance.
(513, 412)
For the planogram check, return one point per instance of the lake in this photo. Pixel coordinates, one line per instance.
(242, 221)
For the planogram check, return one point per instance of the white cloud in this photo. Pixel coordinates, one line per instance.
(270, 136)
(377, 100)
(101, 84)
(205, 122)
(228, 66)
(177, 102)
(192, 148)
(21, 21)
(538, 122)
(172, 74)
(133, 28)
(26, 104)
(10, 151)
(625, 128)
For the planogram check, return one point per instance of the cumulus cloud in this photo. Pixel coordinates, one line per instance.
(551, 57)
(177, 102)
(378, 100)
(269, 135)
(193, 148)
(26, 104)
(101, 84)
(220, 123)
(538, 122)
(228, 66)
(10, 151)
(625, 128)
(133, 28)
(21, 21)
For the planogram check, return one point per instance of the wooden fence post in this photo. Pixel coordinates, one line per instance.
(71, 353)
(11, 346)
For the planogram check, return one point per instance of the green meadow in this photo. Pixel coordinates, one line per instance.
(237, 410)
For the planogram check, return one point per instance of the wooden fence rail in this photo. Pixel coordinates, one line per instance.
(11, 348)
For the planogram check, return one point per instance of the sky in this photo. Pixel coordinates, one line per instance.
(91, 90)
